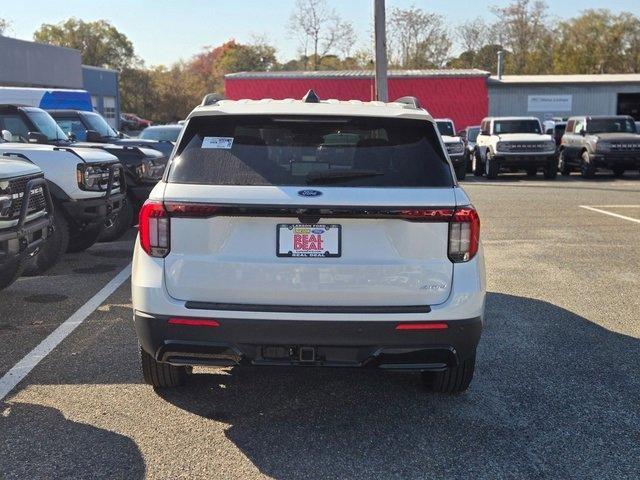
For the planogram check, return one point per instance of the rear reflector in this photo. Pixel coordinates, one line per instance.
(193, 322)
(422, 326)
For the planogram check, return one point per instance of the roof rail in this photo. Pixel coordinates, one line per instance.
(411, 101)
(211, 99)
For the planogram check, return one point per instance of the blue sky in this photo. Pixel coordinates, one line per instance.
(165, 31)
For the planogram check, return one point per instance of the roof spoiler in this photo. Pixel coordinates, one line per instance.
(211, 99)
(411, 101)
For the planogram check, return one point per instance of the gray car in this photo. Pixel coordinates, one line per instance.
(593, 142)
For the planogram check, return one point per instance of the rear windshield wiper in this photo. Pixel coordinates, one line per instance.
(329, 176)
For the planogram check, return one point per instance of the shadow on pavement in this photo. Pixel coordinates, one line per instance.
(45, 444)
(570, 183)
(555, 396)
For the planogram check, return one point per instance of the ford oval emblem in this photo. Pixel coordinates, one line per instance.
(309, 193)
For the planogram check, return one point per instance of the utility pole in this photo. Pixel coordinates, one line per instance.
(382, 92)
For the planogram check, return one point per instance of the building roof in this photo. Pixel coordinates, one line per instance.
(571, 79)
(291, 106)
(355, 74)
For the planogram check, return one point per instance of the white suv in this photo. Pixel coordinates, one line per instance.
(320, 233)
(454, 146)
(514, 143)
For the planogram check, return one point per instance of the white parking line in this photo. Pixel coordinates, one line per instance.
(635, 220)
(24, 366)
(615, 206)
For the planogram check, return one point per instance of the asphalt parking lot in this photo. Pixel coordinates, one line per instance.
(555, 395)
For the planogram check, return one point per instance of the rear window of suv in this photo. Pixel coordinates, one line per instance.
(310, 150)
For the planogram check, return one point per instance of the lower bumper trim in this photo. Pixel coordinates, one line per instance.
(375, 344)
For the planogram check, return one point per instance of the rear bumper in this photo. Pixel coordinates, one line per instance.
(312, 343)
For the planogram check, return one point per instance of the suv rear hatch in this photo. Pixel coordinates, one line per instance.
(309, 211)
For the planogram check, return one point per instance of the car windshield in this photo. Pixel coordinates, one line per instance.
(446, 128)
(308, 150)
(611, 125)
(516, 126)
(162, 134)
(100, 125)
(472, 135)
(47, 125)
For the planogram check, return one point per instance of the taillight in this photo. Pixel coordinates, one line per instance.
(153, 227)
(464, 234)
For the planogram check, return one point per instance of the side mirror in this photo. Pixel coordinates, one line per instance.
(37, 137)
(583, 132)
(6, 135)
(93, 136)
(72, 136)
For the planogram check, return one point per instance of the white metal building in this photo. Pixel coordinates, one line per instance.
(547, 96)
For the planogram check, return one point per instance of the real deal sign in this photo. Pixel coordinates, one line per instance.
(549, 103)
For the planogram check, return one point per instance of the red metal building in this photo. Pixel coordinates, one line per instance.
(457, 94)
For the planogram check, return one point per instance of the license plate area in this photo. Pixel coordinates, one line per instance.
(308, 241)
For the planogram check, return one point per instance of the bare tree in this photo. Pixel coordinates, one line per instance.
(4, 26)
(418, 39)
(320, 28)
(474, 34)
(524, 29)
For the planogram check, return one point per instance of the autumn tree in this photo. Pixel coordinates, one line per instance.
(99, 42)
(418, 39)
(320, 31)
(598, 42)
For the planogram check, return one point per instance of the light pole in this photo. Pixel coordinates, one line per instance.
(382, 92)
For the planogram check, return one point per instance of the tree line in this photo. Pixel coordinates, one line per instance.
(595, 41)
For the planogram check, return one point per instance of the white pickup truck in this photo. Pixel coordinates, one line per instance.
(86, 190)
(514, 143)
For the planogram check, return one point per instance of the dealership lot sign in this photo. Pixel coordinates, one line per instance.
(549, 103)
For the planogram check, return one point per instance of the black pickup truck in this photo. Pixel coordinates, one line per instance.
(85, 126)
(143, 166)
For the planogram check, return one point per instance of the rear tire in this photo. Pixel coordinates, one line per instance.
(10, 271)
(84, 239)
(121, 225)
(491, 168)
(550, 170)
(587, 168)
(452, 380)
(53, 248)
(160, 374)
